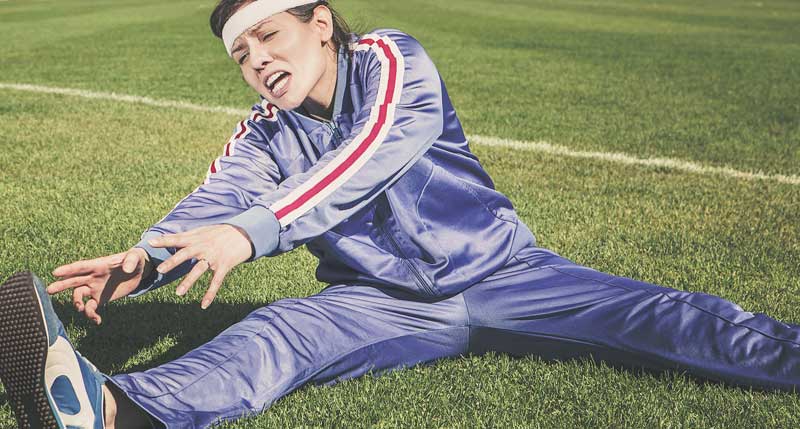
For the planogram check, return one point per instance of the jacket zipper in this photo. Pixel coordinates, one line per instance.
(421, 280)
(337, 134)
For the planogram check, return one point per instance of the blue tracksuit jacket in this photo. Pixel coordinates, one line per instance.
(387, 193)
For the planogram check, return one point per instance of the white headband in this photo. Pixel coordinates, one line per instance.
(251, 14)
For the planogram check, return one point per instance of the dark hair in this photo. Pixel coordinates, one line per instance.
(226, 8)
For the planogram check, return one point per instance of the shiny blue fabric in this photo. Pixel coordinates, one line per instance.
(538, 304)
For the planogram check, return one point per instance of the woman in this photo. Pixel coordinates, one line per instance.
(357, 152)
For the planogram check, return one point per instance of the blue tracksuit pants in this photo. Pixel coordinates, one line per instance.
(538, 304)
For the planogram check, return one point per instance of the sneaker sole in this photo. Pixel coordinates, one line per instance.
(23, 353)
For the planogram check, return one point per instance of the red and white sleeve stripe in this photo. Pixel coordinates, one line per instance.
(241, 131)
(341, 168)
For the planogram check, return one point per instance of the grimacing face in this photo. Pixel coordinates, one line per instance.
(288, 61)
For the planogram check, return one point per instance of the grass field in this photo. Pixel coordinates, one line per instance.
(716, 83)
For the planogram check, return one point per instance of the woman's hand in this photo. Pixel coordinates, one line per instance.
(95, 282)
(216, 247)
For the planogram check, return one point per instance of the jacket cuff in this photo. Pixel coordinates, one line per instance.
(157, 254)
(261, 227)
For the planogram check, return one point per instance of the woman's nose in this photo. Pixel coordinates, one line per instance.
(260, 56)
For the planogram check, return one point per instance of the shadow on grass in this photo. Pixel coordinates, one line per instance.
(129, 329)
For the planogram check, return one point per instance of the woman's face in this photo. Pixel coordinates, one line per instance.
(287, 61)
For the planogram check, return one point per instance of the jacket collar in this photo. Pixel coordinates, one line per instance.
(343, 63)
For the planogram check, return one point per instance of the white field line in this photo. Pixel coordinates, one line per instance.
(124, 98)
(533, 146)
(621, 158)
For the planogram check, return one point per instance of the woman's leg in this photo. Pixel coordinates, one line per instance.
(119, 412)
(343, 332)
(557, 309)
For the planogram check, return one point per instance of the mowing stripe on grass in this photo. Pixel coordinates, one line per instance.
(535, 146)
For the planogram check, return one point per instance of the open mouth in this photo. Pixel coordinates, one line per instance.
(276, 82)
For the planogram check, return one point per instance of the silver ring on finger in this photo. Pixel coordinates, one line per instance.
(207, 263)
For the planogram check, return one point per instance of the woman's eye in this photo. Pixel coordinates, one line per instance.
(242, 58)
(269, 35)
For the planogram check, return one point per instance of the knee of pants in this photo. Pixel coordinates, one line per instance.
(529, 294)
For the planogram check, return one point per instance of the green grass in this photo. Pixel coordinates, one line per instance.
(716, 83)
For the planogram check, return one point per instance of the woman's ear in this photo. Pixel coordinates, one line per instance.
(323, 22)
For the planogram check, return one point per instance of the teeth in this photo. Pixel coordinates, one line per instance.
(280, 85)
(275, 76)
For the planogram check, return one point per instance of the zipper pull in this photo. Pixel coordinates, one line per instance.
(337, 133)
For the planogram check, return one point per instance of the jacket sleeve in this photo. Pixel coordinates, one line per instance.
(244, 171)
(400, 120)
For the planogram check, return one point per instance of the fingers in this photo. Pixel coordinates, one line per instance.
(131, 261)
(205, 244)
(188, 281)
(77, 297)
(213, 288)
(88, 265)
(170, 240)
(178, 258)
(68, 283)
(90, 307)
(73, 269)
(91, 311)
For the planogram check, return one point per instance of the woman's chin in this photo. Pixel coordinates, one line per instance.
(284, 103)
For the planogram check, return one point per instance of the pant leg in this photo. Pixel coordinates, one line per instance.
(554, 308)
(343, 332)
